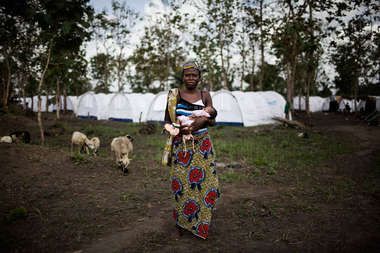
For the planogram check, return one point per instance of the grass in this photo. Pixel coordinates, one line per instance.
(276, 147)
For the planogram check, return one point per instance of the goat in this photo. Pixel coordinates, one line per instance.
(96, 142)
(122, 146)
(6, 139)
(82, 141)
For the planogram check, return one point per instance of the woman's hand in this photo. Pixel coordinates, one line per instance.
(199, 122)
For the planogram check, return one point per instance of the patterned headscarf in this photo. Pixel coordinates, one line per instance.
(192, 64)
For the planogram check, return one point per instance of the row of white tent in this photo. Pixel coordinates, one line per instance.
(319, 104)
(234, 108)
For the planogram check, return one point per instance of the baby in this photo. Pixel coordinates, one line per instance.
(183, 120)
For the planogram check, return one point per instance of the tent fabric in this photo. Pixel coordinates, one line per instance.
(140, 103)
(315, 103)
(70, 103)
(120, 108)
(156, 109)
(229, 111)
(253, 107)
(43, 103)
(343, 103)
(87, 106)
(275, 102)
(94, 106)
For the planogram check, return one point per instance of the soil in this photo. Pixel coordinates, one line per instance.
(90, 206)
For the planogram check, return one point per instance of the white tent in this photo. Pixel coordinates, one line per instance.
(229, 111)
(343, 103)
(43, 103)
(140, 104)
(73, 102)
(156, 109)
(120, 108)
(70, 106)
(253, 107)
(87, 106)
(315, 103)
(94, 106)
(275, 102)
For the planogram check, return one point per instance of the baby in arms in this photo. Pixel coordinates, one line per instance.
(183, 120)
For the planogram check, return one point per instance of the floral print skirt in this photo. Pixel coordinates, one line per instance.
(194, 184)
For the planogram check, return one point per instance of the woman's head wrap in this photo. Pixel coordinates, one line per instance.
(193, 64)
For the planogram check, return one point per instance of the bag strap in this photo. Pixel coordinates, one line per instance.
(172, 103)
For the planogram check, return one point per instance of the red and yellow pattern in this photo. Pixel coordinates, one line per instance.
(194, 185)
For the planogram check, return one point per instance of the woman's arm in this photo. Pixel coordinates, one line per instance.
(167, 116)
(200, 122)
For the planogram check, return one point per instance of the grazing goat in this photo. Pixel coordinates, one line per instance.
(122, 146)
(6, 139)
(96, 142)
(82, 141)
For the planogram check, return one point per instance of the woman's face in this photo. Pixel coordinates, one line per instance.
(191, 78)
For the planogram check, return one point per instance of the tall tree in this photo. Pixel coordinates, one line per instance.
(222, 30)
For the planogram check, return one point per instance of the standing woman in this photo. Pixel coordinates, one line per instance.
(194, 182)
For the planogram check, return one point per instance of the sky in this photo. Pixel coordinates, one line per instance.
(138, 5)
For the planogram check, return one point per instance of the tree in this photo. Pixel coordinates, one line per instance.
(221, 29)
(358, 43)
(101, 69)
(124, 19)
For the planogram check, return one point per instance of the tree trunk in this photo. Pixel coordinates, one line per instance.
(261, 74)
(300, 99)
(32, 105)
(58, 100)
(65, 98)
(6, 93)
(47, 100)
(225, 81)
(356, 90)
(289, 84)
(39, 94)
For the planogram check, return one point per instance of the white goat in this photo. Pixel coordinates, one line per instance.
(96, 142)
(82, 141)
(6, 139)
(122, 146)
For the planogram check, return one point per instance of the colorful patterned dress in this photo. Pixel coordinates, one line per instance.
(194, 182)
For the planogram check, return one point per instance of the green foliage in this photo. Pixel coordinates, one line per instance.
(17, 214)
(275, 149)
(78, 158)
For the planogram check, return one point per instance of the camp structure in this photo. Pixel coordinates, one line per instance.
(93, 106)
(71, 102)
(275, 102)
(140, 104)
(43, 103)
(156, 109)
(228, 108)
(120, 108)
(247, 108)
(315, 103)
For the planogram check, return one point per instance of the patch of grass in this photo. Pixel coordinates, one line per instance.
(17, 214)
(278, 148)
(231, 176)
(271, 171)
(78, 158)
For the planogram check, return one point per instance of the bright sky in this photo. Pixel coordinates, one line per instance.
(138, 5)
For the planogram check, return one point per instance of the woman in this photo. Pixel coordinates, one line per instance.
(194, 182)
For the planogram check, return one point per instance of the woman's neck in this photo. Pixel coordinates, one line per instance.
(191, 91)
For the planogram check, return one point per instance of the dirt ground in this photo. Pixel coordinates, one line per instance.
(93, 207)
